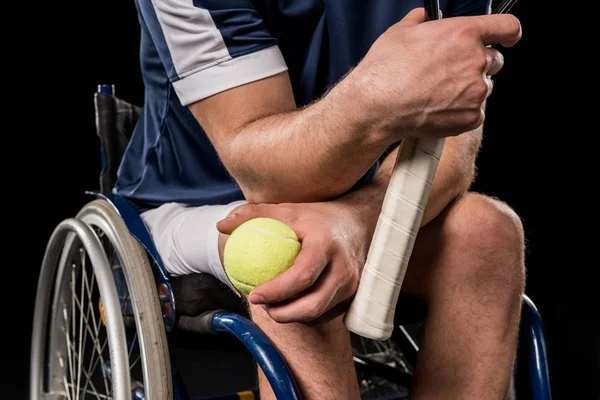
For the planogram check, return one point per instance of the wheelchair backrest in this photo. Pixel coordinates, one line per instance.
(115, 121)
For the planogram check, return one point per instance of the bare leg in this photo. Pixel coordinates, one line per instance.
(468, 264)
(320, 357)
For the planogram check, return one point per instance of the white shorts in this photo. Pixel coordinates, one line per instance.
(186, 237)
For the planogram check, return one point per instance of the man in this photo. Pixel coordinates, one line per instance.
(297, 108)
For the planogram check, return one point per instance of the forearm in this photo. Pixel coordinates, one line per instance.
(310, 154)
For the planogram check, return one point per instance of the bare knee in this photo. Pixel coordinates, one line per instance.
(489, 235)
(489, 222)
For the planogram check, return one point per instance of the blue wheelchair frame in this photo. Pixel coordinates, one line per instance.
(258, 344)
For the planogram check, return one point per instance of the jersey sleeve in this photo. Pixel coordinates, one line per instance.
(458, 8)
(209, 46)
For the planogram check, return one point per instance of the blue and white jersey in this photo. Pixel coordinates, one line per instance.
(193, 49)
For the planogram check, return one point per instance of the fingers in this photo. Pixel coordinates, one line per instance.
(490, 85)
(414, 17)
(334, 312)
(502, 29)
(312, 305)
(494, 61)
(246, 212)
(308, 266)
(236, 217)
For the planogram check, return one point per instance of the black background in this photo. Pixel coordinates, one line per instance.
(50, 157)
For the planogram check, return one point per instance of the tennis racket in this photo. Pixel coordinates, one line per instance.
(371, 313)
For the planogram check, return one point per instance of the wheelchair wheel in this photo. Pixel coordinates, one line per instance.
(382, 369)
(98, 329)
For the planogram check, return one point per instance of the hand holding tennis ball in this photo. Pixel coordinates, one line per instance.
(259, 250)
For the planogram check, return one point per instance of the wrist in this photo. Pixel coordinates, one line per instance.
(382, 108)
(365, 203)
(367, 200)
(360, 111)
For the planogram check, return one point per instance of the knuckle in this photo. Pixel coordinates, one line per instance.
(348, 271)
(314, 309)
(275, 316)
(322, 245)
(353, 281)
(288, 215)
(347, 276)
(479, 92)
(479, 59)
(465, 29)
(328, 242)
(248, 210)
(490, 86)
(513, 25)
(473, 119)
(355, 275)
(498, 57)
(307, 276)
(495, 61)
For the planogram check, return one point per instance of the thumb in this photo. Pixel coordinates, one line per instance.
(414, 17)
(244, 213)
(235, 218)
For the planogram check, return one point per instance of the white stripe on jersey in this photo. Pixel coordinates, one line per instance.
(193, 39)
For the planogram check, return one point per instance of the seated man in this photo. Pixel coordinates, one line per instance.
(294, 110)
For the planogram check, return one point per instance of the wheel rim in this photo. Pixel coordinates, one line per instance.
(104, 226)
(88, 359)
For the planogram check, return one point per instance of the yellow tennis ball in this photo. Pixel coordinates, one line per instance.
(257, 251)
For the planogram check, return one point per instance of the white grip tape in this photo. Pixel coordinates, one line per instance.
(388, 247)
(371, 313)
(378, 314)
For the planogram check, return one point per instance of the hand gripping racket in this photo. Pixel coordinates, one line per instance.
(371, 313)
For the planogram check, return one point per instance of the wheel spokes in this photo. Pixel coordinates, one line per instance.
(86, 329)
(82, 326)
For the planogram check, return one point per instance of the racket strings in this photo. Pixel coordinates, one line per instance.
(504, 7)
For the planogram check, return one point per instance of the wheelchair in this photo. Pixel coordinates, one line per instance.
(110, 323)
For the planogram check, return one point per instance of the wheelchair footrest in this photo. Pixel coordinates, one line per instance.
(199, 324)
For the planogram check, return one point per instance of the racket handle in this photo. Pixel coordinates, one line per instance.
(371, 313)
